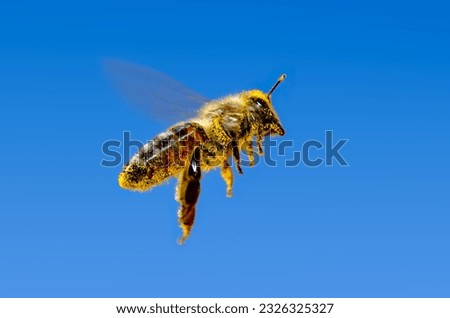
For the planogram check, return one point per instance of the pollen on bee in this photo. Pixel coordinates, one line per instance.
(134, 179)
(220, 131)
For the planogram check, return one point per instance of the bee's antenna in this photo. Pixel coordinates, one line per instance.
(280, 79)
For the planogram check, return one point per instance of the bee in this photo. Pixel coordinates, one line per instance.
(221, 131)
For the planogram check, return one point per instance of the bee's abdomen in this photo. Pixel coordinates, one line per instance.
(162, 157)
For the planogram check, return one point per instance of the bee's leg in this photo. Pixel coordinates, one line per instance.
(259, 141)
(227, 175)
(236, 156)
(248, 148)
(188, 190)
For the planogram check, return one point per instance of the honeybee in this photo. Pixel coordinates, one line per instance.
(222, 129)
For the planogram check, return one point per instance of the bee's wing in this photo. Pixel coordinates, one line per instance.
(158, 95)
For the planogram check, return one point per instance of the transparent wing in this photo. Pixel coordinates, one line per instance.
(153, 92)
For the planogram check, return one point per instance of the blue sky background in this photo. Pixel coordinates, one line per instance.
(376, 73)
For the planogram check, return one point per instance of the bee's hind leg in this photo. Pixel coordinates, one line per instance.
(227, 175)
(188, 191)
(237, 158)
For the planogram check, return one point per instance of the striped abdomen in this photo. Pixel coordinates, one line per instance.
(162, 157)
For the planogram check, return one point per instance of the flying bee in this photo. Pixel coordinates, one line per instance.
(222, 129)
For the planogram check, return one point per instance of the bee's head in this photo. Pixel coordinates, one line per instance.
(261, 108)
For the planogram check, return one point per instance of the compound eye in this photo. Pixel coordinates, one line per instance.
(259, 103)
